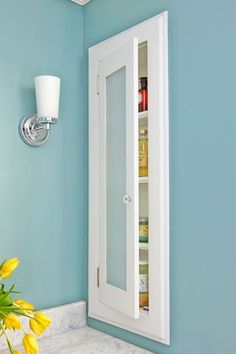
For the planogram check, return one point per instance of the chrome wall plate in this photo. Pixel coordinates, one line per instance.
(32, 132)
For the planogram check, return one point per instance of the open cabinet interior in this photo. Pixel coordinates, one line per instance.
(143, 177)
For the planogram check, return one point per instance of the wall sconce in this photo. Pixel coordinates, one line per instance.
(34, 129)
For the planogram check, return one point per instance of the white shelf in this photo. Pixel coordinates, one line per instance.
(143, 115)
(143, 179)
(143, 246)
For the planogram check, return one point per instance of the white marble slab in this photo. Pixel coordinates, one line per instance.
(86, 341)
(64, 318)
(70, 335)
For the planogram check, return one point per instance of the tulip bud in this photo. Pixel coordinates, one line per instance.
(8, 267)
(30, 344)
(39, 323)
(24, 306)
(11, 321)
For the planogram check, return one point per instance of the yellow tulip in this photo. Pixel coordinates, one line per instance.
(8, 267)
(25, 307)
(39, 323)
(12, 322)
(16, 352)
(30, 344)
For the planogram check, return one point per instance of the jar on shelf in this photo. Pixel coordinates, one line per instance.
(143, 283)
(143, 229)
(143, 153)
(143, 94)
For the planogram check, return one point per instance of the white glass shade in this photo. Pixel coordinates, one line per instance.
(47, 89)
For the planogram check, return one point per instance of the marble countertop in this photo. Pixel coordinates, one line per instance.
(85, 340)
(70, 335)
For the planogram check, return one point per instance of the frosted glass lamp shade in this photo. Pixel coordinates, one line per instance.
(47, 89)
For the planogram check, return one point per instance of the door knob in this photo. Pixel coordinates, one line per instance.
(127, 199)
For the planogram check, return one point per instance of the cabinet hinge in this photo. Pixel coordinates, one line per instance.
(97, 84)
(98, 277)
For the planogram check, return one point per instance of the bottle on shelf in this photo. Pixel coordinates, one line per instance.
(143, 153)
(143, 229)
(143, 94)
(143, 283)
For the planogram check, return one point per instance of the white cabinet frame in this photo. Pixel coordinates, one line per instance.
(156, 324)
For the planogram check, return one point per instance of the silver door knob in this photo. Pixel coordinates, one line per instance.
(127, 199)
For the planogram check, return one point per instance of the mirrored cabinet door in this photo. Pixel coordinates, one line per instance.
(118, 182)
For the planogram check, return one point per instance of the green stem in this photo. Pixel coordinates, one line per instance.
(22, 314)
(23, 328)
(7, 339)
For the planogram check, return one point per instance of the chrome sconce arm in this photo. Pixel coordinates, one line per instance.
(35, 129)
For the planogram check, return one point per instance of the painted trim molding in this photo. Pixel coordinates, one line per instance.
(81, 2)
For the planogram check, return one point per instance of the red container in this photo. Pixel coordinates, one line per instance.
(143, 95)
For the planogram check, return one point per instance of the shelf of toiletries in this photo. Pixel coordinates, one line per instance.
(143, 284)
(143, 263)
(143, 101)
(143, 183)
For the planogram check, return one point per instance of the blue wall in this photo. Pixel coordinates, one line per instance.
(202, 165)
(41, 189)
(43, 192)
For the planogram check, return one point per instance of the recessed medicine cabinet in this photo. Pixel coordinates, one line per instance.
(129, 181)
